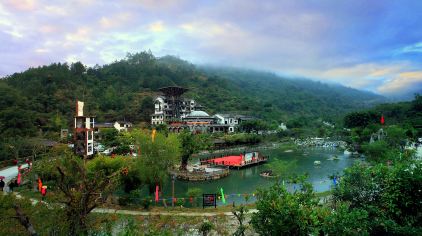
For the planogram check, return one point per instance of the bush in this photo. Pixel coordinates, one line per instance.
(283, 213)
(146, 203)
(205, 228)
(345, 221)
(194, 193)
(389, 194)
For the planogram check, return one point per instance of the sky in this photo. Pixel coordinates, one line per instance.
(368, 45)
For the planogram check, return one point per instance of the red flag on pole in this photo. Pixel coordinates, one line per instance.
(156, 193)
(19, 178)
(382, 119)
(39, 184)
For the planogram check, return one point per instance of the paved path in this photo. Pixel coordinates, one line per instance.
(9, 173)
(145, 213)
(164, 213)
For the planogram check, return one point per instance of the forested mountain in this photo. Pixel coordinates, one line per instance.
(404, 114)
(287, 98)
(43, 98)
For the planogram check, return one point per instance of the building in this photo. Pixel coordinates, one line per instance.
(182, 113)
(118, 125)
(171, 106)
(122, 125)
(83, 132)
(227, 119)
(232, 121)
(198, 122)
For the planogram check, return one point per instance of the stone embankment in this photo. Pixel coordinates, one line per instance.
(319, 142)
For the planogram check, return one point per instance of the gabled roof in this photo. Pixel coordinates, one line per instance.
(104, 125)
(225, 115)
(124, 122)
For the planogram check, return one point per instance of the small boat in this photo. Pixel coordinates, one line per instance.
(347, 152)
(336, 158)
(317, 163)
(267, 174)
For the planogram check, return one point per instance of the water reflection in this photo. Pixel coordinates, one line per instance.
(246, 181)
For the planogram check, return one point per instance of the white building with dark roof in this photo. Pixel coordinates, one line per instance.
(171, 106)
(231, 120)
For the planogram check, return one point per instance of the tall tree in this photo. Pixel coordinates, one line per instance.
(191, 143)
(81, 189)
(156, 156)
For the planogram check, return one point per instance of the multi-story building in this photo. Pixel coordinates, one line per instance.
(182, 113)
(83, 132)
(171, 106)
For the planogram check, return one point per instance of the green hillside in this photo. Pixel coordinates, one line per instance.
(291, 98)
(41, 100)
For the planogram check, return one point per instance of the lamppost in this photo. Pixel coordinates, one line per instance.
(173, 177)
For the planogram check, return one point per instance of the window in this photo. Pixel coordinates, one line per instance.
(90, 135)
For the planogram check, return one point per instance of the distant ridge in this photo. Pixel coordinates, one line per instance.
(42, 98)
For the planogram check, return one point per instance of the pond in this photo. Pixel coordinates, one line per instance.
(246, 181)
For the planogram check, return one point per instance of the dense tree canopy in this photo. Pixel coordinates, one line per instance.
(43, 98)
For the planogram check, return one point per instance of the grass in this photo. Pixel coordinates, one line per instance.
(324, 194)
(27, 192)
(165, 225)
(177, 209)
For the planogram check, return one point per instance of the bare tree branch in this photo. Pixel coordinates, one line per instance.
(24, 220)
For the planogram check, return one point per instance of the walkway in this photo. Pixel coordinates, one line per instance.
(165, 213)
(9, 173)
(145, 213)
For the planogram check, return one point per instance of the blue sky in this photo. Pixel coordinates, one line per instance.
(369, 45)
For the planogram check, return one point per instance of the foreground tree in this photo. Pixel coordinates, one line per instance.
(23, 217)
(240, 215)
(82, 191)
(81, 185)
(388, 194)
(345, 221)
(281, 212)
(190, 144)
(156, 157)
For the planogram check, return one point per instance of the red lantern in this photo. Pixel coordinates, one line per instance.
(382, 119)
(44, 190)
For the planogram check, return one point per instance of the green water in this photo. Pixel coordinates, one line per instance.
(246, 181)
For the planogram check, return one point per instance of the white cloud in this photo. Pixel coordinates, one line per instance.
(289, 37)
(401, 82)
(417, 47)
